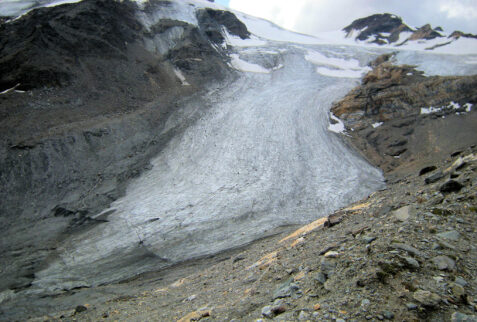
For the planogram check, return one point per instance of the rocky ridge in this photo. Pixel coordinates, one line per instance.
(383, 29)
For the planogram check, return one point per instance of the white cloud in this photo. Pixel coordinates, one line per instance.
(313, 16)
(459, 9)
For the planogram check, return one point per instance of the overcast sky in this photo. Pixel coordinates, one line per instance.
(313, 16)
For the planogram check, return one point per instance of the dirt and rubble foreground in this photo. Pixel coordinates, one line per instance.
(405, 253)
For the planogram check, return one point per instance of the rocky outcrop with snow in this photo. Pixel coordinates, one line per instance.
(390, 30)
(397, 115)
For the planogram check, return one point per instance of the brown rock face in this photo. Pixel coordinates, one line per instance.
(425, 32)
(395, 95)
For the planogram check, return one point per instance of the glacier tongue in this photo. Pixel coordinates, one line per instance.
(259, 157)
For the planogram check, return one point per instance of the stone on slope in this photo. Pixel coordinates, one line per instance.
(427, 298)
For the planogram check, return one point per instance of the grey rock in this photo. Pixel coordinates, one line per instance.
(320, 277)
(380, 317)
(365, 302)
(459, 280)
(327, 266)
(444, 263)
(303, 316)
(388, 315)
(434, 178)
(80, 308)
(427, 298)
(328, 285)
(411, 306)
(411, 250)
(286, 289)
(461, 317)
(340, 320)
(409, 262)
(267, 311)
(457, 290)
(369, 239)
(443, 244)
(332, 254)
(453, 235)
(403, 214)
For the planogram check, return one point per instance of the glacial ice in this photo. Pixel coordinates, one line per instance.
(260, 157)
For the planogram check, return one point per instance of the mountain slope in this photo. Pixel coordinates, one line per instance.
(176, 131)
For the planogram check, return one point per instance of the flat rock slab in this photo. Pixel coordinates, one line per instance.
(453, 235)
(444, 263)
(404, 213)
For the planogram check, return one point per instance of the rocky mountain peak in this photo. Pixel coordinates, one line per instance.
(425, 32)
(381, 28)
(457, 34)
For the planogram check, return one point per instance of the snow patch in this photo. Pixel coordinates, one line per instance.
(320, 59)
(377, 124)
(236, 41)
(340, 73)
(336, 67)
(245, 66)
(181, 77)
(450, 106)
(337, 127)
(10, 89)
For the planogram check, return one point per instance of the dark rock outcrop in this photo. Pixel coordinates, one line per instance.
(383, 29)
(210, 21)
(375, 25)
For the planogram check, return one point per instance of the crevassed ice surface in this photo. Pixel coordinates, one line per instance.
(258, 158)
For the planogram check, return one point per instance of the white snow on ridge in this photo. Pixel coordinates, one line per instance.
(451, 105)
(267, 30)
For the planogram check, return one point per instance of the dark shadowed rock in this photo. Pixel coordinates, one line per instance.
(211, 22)
(376, 24)
(451, 186)
(427, 170)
